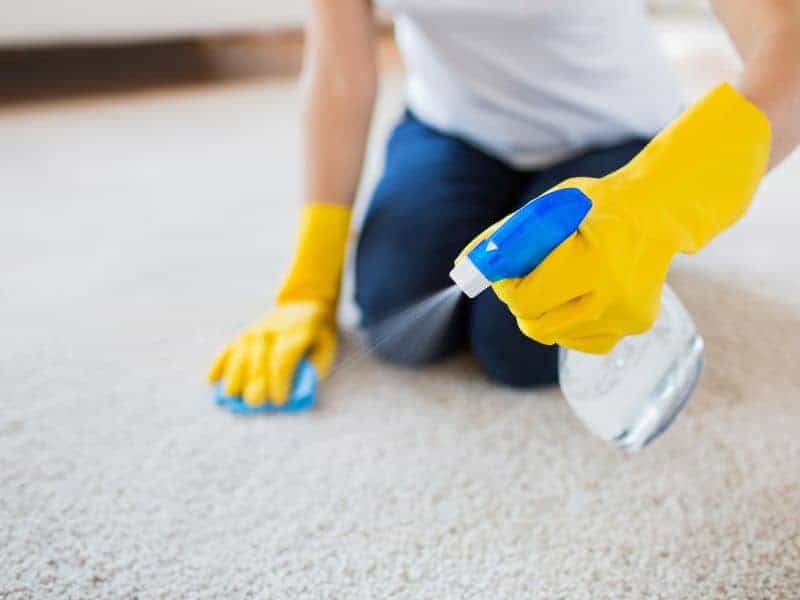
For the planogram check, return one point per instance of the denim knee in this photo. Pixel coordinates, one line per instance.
(505, 354)
(435, 194)
(396, 269)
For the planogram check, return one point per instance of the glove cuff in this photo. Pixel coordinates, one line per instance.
(316, 270)
(703, 169)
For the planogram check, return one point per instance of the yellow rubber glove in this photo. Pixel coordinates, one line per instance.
(604, 282)
(259, 365)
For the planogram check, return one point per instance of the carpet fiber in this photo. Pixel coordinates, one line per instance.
(138, 234)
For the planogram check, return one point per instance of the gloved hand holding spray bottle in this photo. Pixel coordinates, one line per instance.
(629, 395)
(584, 265)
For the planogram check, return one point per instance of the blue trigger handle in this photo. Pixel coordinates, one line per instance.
(530, 234)
(302, 396)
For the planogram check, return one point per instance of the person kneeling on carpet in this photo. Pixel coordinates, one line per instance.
(507, 100)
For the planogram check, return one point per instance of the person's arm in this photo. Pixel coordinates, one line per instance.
(693, 180)
(339, 85)
(339, 89)
(767, 35)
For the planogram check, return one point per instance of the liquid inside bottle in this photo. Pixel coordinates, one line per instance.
(632, 394)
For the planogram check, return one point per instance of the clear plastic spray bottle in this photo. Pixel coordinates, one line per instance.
(630, 395)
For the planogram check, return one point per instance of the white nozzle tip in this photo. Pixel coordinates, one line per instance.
(467, 277)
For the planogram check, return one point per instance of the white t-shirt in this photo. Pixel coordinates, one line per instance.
(535, 81)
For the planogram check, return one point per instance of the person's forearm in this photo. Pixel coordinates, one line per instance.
(339, 89)
(767, 36)
(336, 127)
(771, 80)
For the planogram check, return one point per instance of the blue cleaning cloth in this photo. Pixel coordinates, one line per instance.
(302, 396)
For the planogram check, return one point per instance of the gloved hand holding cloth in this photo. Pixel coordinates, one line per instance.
(690, 182)
(259, 365)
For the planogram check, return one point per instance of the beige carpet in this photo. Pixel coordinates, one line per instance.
(137, 233)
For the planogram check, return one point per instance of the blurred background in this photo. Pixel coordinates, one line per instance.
(51, 50)
(149, 183)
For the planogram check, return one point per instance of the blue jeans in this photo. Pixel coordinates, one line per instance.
(437, 192)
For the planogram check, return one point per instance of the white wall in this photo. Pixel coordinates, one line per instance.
(37, 22)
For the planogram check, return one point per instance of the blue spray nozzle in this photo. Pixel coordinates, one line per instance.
(523, 241)
(302, 396)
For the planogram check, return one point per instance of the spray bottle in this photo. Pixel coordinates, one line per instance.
(628, 396)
